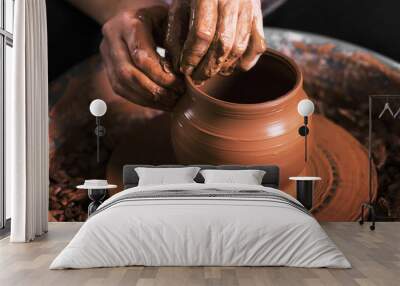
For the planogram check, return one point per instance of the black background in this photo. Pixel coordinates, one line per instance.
(374, 24)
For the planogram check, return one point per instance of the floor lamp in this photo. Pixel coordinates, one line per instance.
(98, 108)
(305, 108)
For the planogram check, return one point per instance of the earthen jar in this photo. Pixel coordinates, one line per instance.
(246, 118)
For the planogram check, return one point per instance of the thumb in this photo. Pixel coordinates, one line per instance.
(177, 29)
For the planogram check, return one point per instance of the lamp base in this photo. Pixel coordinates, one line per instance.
(303, 131)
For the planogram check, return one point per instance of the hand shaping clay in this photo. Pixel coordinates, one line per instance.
(207, 37)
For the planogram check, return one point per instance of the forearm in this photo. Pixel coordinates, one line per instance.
(102, 10)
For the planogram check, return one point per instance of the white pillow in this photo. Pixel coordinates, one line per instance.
(248, 177)
(164, 176)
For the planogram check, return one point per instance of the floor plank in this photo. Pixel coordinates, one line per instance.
(375, 257)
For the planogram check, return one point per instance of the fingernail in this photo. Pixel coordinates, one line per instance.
(225, 72)
(166, 66)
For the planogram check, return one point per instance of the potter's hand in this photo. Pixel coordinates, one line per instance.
(134, 68)
(222, 34)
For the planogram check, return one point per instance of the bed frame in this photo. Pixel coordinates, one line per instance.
(271, 177)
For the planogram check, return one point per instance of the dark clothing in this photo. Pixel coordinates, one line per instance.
(72, 37)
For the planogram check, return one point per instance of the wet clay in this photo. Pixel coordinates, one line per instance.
(268, 80)
(231, 121)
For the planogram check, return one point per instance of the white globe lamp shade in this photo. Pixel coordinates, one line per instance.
(305, 107)
(98, 107)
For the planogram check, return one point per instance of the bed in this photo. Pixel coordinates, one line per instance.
(201, 224)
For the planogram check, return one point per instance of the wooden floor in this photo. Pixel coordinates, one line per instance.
(375, 257)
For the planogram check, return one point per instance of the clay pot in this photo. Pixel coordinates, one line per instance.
(247, 118)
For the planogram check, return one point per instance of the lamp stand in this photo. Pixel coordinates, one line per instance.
(99, 131)
(304, 131)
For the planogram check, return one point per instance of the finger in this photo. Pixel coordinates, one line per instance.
(203, 22)
(143, 53)
(221, 46)
(124, 88)
(124, 78)
(146, 92)
(177, 29)
(118, 87)
(242, 37)
(257, 45)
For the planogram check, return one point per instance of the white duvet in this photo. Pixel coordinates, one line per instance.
(200, 231)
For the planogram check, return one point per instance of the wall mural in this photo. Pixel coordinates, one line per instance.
(338, 77)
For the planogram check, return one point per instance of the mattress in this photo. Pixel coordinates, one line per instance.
(201, 225)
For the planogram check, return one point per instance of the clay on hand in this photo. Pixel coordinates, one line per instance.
(135, 70)
(221, 35)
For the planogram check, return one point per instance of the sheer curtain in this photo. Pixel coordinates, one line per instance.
(27, 124)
